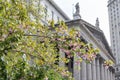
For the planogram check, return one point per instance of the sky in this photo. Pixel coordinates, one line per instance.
(89, 11)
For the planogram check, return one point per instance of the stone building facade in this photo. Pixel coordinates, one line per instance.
(53, 12)
(92, 34)
(96, 69)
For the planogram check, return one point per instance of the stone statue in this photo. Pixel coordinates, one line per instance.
(76, 15)
(97, 22)
(77, 8)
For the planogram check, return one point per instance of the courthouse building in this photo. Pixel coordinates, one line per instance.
(91, 34)
(114, 25)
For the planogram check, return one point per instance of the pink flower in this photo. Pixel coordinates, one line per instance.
(46, 78)
(84, 56)
(77, 62)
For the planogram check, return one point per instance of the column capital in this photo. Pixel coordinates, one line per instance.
(98, 56)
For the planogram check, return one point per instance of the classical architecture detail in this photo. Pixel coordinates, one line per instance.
(76, 15)
(52, 12)
(97, 23)
(94, 70)
(77, 8)
(114, 25)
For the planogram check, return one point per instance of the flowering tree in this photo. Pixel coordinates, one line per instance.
(30, 50)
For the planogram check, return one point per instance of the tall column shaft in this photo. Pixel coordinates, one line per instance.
(94, 70)
(89, 72)
(83, 70)
(108, 74)
(102, 72)
(113, 76)
(98, 70)
(105, 73)
(76, 70)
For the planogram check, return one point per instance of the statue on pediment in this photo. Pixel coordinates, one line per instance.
(77, 8)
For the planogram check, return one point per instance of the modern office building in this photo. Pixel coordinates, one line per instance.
(114, 24)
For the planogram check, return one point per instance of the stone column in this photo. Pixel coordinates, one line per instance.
(89, 72)
(111, 75)
(105, 73)
(98, 69)
(94, 70)
(108, 74)
(76, 70)
(102, 71)
(83, 71)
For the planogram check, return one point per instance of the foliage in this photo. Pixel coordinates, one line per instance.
(30, 50)
(108, 63)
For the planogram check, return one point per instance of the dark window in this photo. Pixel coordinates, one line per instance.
(58, 19)
(112, 24)
(117, 5)
(115, 19)
(117, 9)
(52, 15)
(46, 11)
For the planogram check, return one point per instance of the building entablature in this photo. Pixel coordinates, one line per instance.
(88, 36)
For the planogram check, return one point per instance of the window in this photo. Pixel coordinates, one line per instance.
(111, 9)
(117, 9)
(58, 19)
(112, 24)
(119, 24)
(46, 11)
(111, 17)
(117, 16)
(113, 33)
(114, 15)
(114, 50)
(52, 15)
(114, 11)
(113, 37)
(111, 13)
(117, 13)
(113, 44)
(117, 5)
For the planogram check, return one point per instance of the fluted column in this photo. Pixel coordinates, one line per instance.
(102, 71)
(76, 72)
(111, 75)
(89, 72)
(94, 70)
(98, 69)
(106, 73)
(83, 70)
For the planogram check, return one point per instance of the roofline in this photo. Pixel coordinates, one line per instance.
(108, 54)
(110, 2)
(59, 9)
(90, 25)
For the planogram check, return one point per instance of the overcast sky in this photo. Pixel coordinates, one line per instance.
(89, 11)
